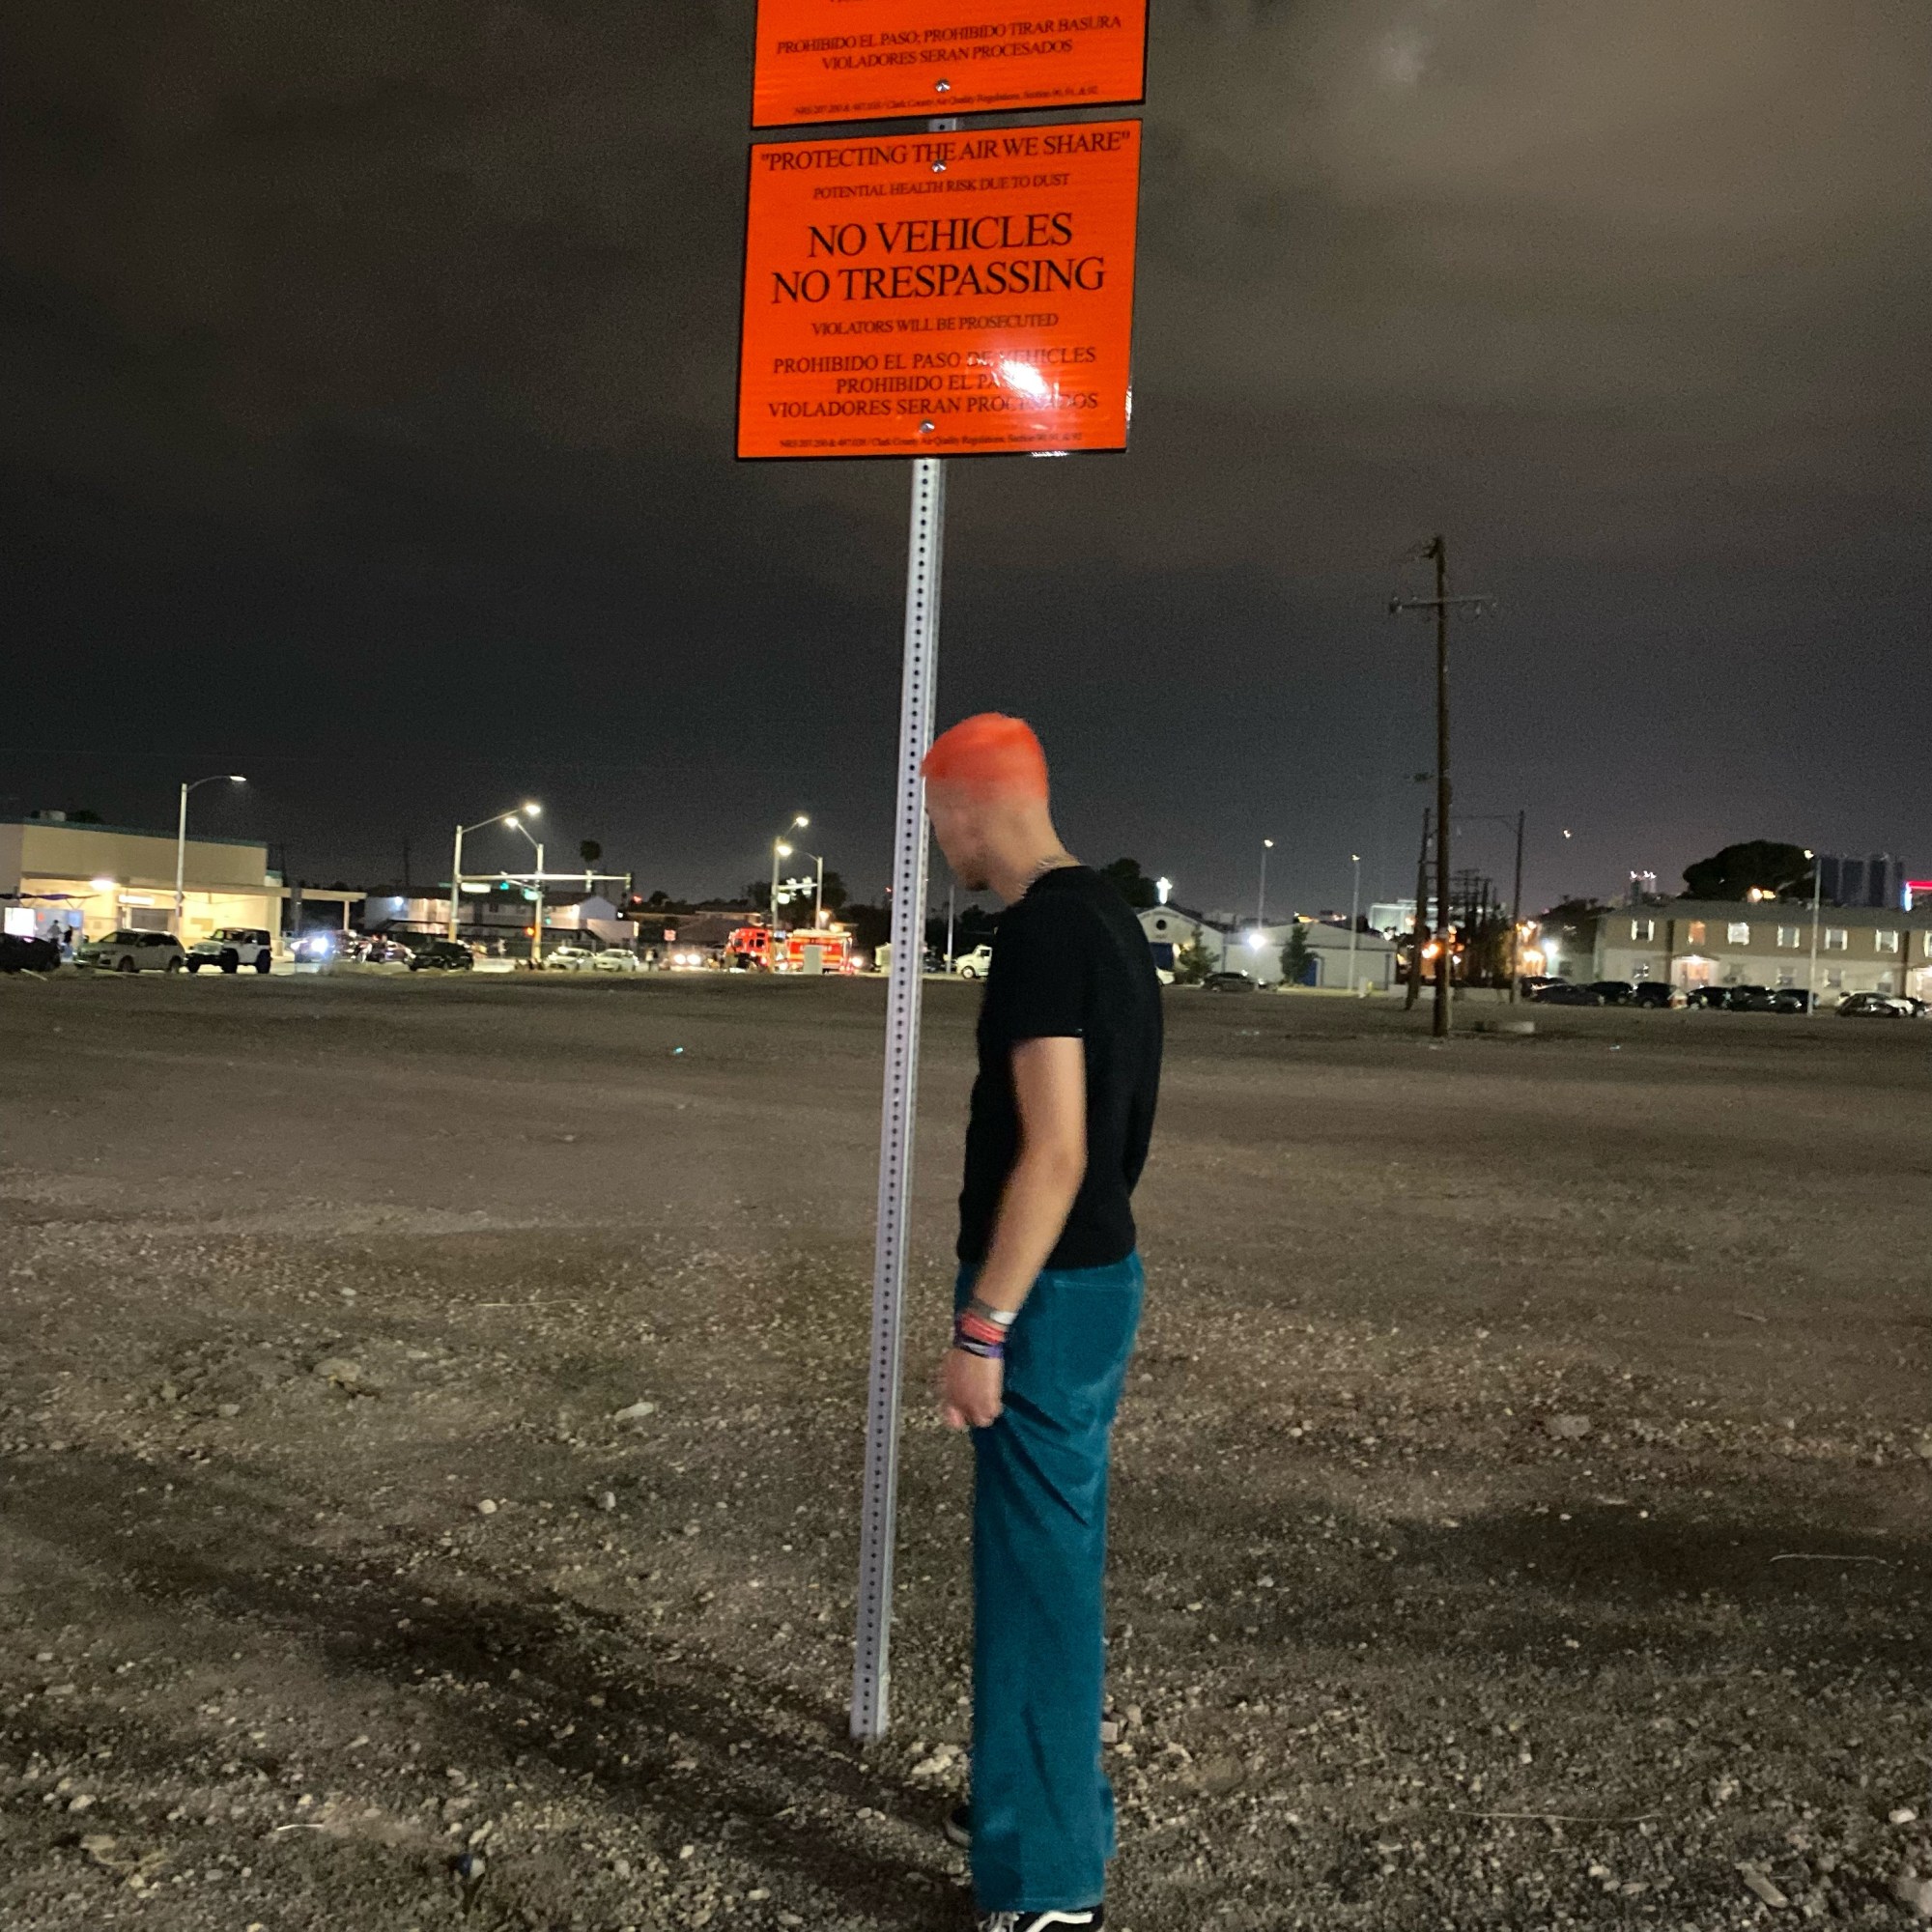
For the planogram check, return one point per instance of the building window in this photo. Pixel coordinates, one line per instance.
(1640, 970)
(1834, 976)
(1835, 939)
(1697, 932)
(1643, 930)
(1788, 935)
(1738, 933)
(1887, 941)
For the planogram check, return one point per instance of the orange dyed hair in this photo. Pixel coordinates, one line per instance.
(989, 755)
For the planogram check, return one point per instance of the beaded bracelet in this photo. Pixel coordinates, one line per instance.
(974, 1335)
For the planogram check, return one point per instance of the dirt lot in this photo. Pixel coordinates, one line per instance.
(1521, 1495)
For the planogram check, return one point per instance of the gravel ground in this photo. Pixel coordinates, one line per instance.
(431, 1432)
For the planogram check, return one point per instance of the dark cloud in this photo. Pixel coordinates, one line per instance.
(368, 407)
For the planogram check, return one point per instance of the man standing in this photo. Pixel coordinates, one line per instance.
(1048, 1299)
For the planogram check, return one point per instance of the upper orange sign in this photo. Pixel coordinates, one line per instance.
(933, 294)
(873, 60)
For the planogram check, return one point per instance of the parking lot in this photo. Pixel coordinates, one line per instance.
(434, 1408)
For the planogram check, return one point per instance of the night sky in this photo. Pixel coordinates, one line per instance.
(367, 426)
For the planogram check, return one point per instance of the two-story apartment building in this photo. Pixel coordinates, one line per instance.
(1759, 943)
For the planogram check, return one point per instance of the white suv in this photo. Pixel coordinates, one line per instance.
(130, 952)
(232, 948)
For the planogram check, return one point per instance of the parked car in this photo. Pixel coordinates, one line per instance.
(383, 951)
(1615, 992)
(1565, 993)
(20, 955)
(1872, 1006)
(446, 956)
(1792, 1000)
(617, 959)
(232, 948)
(1534, 983)
(1656, 993)
(974, 965)
(130, 952)
(1712, 999)
(1229, 982)
(569, 958)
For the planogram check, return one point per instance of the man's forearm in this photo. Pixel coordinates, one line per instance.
(1033, 1207)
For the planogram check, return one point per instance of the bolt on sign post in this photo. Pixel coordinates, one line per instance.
(928, 293)
(880, 60)
(934, 295)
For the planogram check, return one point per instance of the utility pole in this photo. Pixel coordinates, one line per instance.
(1417, 937)
(1438, 550)
(1516, 918)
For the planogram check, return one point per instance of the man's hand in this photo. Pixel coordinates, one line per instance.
(969, 1389)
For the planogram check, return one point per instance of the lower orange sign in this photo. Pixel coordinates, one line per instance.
(875, 59)
(936, 294)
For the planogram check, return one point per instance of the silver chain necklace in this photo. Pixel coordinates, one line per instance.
(1059, 861)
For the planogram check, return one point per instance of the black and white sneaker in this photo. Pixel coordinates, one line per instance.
(1090, 1920)
(958, 1827)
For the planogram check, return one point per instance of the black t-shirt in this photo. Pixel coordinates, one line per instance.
(1070, 961)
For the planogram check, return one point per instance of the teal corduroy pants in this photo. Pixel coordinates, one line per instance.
(1042, 1808)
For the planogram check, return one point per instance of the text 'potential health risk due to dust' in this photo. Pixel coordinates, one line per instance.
(875, 59)
(929, 295)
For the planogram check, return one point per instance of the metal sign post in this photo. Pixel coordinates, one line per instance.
(871, 1665)
(922, 367)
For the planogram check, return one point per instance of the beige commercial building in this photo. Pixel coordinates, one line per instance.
(64, 877)
(1763, 943)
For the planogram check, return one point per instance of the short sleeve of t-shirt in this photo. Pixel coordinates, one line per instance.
(1037, 987)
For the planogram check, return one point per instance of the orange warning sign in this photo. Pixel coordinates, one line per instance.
(873, 60)
(935, 294)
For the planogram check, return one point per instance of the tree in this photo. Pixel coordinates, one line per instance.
(870, 926)
(589, 851)
(1194, 961)
(836, 893)
(1295, 955)
(1135, 886)
(1760, 864)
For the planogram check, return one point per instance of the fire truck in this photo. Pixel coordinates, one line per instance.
(809, 951)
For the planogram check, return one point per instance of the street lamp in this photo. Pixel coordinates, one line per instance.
(781, 850)
(1355, 915)
(181, 838)
(456, 861)
(1262, 892)
(536, 932)
(817, 892)
(1817, 901)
